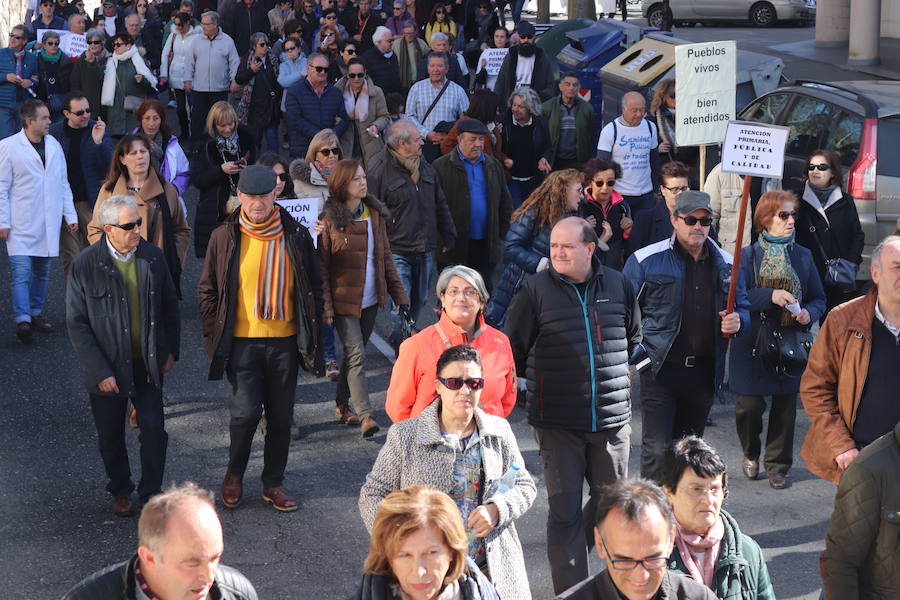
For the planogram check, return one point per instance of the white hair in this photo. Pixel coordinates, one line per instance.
(109, 212)
(380, 33)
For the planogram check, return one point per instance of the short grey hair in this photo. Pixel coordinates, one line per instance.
(529, 98)
(632, 94)
(407, 24)
(254, 39)
(135, 15)
(876, 253)
(109, 211)
(74, 16)
(315, 55)
(467, 274)
(381, 32)
(439, 36)
(441, 55)
(213, 16)
(49, 35)
(155, 516)
(401, 130)
(93, 34)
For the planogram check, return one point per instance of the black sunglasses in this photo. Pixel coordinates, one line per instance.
(263, 44)
(820, 166)
(83, 111)
(129, 226)
(691, 220)
(51, 43)
(525, 36)
(356, 75)
(330, 18)
(283, 177)
(119, 45)
(785, 214)
(318, 69)
(351, 51)
(609, 182)
(17, 37)
(330, 151)
(95, 43)
(291, 49)
(456, 383)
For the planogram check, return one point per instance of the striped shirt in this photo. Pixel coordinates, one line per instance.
(450, 107)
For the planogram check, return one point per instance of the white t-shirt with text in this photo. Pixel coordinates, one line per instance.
(631, 149)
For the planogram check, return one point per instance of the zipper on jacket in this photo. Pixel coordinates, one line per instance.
(590, 343)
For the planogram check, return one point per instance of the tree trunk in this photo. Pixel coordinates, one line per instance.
(543, 11)
(582, 9)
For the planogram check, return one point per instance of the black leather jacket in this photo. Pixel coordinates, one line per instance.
(117, 583)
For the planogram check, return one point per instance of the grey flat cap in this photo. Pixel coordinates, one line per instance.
(256, 180)
(691, 200)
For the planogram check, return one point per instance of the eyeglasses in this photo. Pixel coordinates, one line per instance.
(283, 177)
(699, 491)
(456, 383)
(356, 75)
(129, 226)
(263, 45)
(329, 151)
(318, 69)
(399, 7)
(82, 112)
(785, 214)
(17, 37)
(677, 189)
(691, 220)
(469, 293)
(95, 43)
(671, 96)
(350, 51)
(51, 43)
(291, 49)
(607, 183)
(628, 564)
(819, 166)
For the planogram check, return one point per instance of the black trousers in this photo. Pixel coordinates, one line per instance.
(748, 416)
(674, 404)
(201, 102)
(263, 376)
(109, 418)
(479, 258)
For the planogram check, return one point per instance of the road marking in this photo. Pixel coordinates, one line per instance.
(383, 347)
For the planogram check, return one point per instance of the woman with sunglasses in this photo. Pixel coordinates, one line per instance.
(127, 80)
(329, 25)
(338, 67)
(173, 69)
(54, 69)
(462, 297)
(828, 223)
(527, 246)
(662, 112)
(87, 72)
(366, 107)
(260, 104)
(357, 275)
(606, 209)
(439, 21)
(785, 291)
(399, 17)
(456, 447)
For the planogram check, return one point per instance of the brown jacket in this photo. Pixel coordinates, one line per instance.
(833, 383)
(149, 211)
(343, 248)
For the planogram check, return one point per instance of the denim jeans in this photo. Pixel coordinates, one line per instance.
(30, 276)
(9, 122)
(416, 270)
(520, 190)
(270, 136)
(326, 335)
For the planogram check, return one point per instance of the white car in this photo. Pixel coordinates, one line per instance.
(761, 13)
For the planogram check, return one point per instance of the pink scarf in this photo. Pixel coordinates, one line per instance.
(357, 107)
(710, 542)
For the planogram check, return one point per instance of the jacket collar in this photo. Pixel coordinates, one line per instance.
(861, 318)
(315, 177)
(151, 188)
(455, 333)
(809, 196)
(428, 426)
(596, 271)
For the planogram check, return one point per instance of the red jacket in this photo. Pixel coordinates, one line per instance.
(412, 379)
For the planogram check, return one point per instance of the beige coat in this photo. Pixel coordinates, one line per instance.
(309, 183)
(378, 116)
(724, 191)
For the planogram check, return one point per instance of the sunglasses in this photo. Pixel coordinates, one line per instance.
(356, 75)
(17, 37)
(79, 113)
(691, 220)
(263, 45)
(330, 151)
(283, 177)
(350, 51)
(399, 8)
(672, 97)
(331, 18)
(525, 36)
(318, 69)
(51, 43)
(785, 214)
(119, 45)
(439, 12)
(456, 383)
(291, 49)
(95, 43)
(129, 226)
(819, 166)
(607, 183)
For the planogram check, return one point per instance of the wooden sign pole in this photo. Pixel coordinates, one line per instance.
(702, 166)
(736, 261)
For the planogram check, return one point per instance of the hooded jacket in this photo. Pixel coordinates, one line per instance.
(542, 80)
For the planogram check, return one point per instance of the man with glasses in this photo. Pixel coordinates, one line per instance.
(634, 533)
(526, 65)
(656, 224)
(88, 150)
(410, 49)
(18, 73)
(147, 39)
(47, 19)
(312, 104)
(212, 62)
(108, 17)
(125, 347)
(381, 62)
(578, 387)
(436, 100)
(571, 123)
(682, 285)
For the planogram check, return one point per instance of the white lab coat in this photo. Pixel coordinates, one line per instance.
(33, 198)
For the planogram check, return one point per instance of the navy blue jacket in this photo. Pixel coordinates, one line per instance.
(56, 23)
(95, 158)
(308, 114)
(12, 95)
(748, 374)
(657, 273)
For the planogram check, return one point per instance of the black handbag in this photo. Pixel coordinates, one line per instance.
(784, 349)
(840, 273)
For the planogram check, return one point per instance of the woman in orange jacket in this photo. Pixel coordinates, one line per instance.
(463, 296)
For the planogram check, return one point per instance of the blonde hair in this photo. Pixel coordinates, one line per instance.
(402, 513)
(324, 139)
(548, 202)
(221, 113)
(663, 89)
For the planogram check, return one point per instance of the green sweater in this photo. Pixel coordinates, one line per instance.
(128, 269)
(741, 572)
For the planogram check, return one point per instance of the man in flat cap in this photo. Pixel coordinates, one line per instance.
(475, 186)
(682, 284)
(260, 304)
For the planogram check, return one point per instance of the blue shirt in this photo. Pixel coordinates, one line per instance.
(478, 200)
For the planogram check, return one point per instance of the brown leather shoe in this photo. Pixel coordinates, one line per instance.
(123, 506)
(750, 468)
(345, 415)
(778, 481)
(40, 325)
(232, 490)
(23, 332)
(280, 498)
(369, 427)
(132, 418)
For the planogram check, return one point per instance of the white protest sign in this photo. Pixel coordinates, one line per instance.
(493, 59)
(72, 44)
(754, 149)
(304, 210)
(705, 84)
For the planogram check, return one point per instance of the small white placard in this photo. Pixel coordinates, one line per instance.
(304, 211)
(72, 44)
(754, 149)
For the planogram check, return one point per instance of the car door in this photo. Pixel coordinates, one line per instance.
(809, 120)
(721, 9)
(888, 175)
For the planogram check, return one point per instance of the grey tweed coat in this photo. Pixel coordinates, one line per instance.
(416, 454)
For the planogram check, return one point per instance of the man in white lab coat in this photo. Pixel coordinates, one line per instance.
(34, 198)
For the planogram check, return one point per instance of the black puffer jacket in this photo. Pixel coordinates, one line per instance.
(117, 583)
(573, 347)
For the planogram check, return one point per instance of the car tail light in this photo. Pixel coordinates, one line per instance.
(863, 171)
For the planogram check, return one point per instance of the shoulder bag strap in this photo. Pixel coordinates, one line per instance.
(444, 338)
(436, 98)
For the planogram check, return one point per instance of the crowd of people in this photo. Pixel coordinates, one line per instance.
(565, 257)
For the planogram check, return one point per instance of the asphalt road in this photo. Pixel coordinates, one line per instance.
(55, 521)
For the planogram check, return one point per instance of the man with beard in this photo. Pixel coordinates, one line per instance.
(527, 65)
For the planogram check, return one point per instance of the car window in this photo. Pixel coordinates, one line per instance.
(889, 147)
(844, 136)
(809, 120)
(766, 109)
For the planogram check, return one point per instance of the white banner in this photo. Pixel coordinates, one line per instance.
(705, 84)
(493, 59)
(72, 44)
(754, 149)
(304, 211)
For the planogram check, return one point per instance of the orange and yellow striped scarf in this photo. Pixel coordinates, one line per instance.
(272, 302)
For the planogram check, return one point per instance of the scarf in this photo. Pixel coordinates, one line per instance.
(710, 542)
(450, 592)
(108, 95)
(665, 119)
(357, 105)
(775, 270)
(20, 63)
(410, 164)
(51, 58)
(142, 583)
(322, 169)
(156, 148)
(272, 302)
(229, 146)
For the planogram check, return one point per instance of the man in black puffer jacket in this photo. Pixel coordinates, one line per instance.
(177, 528)
(572, 328)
